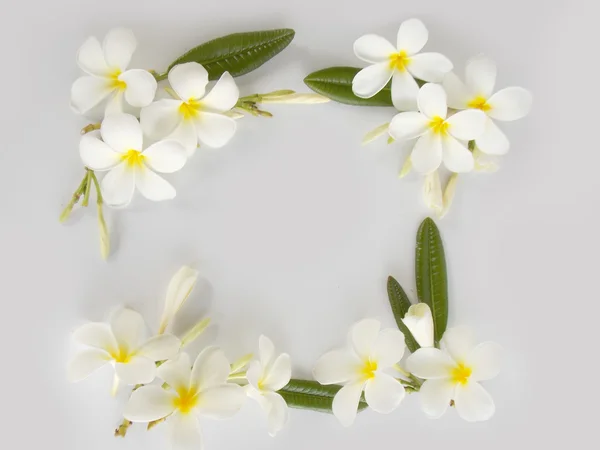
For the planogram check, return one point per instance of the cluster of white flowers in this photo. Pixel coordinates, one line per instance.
(208, 387)
(463, 137)
(371, 364)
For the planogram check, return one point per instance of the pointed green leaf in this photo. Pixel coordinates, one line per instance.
(400, 303)
(237, 53)
(432, 279)
(308, 394)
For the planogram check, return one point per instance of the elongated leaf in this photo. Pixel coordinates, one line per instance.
(308, 394)
(400, 303)
(336, 83)
(432, 279)
(238, 53)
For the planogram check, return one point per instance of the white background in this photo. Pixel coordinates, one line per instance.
(295, 226)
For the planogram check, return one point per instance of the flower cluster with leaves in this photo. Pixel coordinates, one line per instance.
(143, 131)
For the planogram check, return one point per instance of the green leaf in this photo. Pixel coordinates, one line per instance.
(307, 394)
(432, 279)
(336, 83)
(400, 303)
(237, 53)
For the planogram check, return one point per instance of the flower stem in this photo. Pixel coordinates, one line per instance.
(74, 199)
(159, 76)
(237, 376)
(88, 188)
(121, 430)
(90, 127)
(115, 386)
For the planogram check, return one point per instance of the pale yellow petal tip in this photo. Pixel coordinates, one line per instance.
(241, 363)
(104, 235)
(449, 193)
(375, 133)
(406, 168)
(433, 193)
(195, 332)
(295, 98)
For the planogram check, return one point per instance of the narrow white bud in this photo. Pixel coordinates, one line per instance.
(375, 133)
(449, 193)
(104, 236)
(179, 289)
(194, 332)
(406, 168)
(297, 98)
(433, 193)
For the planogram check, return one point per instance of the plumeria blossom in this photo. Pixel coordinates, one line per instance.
(454, 373)
(439, 137)
(122, 344)
(419, 321)
(265, 377)
(108, 77)
(477, 92)
(362, 366)
(198, 391)
(129, 166)
(195, 116)
(401, 63)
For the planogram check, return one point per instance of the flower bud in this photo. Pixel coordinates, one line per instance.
(296, 98)
(179, 289)
(375, 133)
(449, 193)
(406, 168)
(104, 236)
(194, 332)
(433, 193)
(419, 321)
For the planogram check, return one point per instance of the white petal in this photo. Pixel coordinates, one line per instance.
(119, 45)
(510, 104)
(176, 372)
(254, 375)
(412, 36)
(431, 67)
(383, 393)
(214, 130)
(184, 432)
(189, 80)
(338, 366)
(405, 91)
(90, 58)
(485, 361)
(408, 125)
(457, 157)
(118, 186)
(432, 191)
(185, 133)
(426, 155)
(388, 348)
(138, 370)
(277, 411)
(166, 156)
(149, 403)
(279, 373)
(122, 132)
(419, 321)
(373, 49)
(129, 328)
(266, 351)
(97, 335)
(456, 91)
(153, 186)
(372, 79)
(481, 76)
(430, 363)
(114, 105)
(211, 369)
(160, 118)
(158, 348)
(97, 155)
(85, 363)
(467, 125)
(87, 92)
(473, 403)
(221, 402)
(180, 287)
(141, 87)
(458, 342)
(492, 141)
(345, 403)
(223, 96)
(363, 335)
(435, 396)
(432, 101)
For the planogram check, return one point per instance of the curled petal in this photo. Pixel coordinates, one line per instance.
(345, 403)
(372, 79)
(373, 49)
(277, 411)
(223, 96)
(141, 87)
(189, 80)
(266, 351)
(419, 320)
(180, 288)
(279, 374)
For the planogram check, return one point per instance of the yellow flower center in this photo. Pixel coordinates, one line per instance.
(190, 109)
(121, 354)
(115, 83)
(369, 369)
(186, 400)
(461, 374)
(133, 158)
(438, 125)
(399, 61)
(479, 102)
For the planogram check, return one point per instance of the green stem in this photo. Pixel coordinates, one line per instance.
(159, 76)
(99, 198)
(74, 199)
(88, 188)
(121, 430)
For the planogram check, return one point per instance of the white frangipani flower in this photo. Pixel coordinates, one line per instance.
(438, 136)
(507, 104)
(196, 116)
(107, 77)
(121, 343)
(180, 287)
(419, 322)
(362, 366)
(454, 374)
(121, 153)
(265, 377)
(198, 391)
(400, 63)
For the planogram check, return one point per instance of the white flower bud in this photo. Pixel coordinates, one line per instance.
(419, 321)
(375, 133)
(179, 289)
(433, 193)
(297, 98)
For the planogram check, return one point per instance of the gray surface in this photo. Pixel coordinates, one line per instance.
(295, 226)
